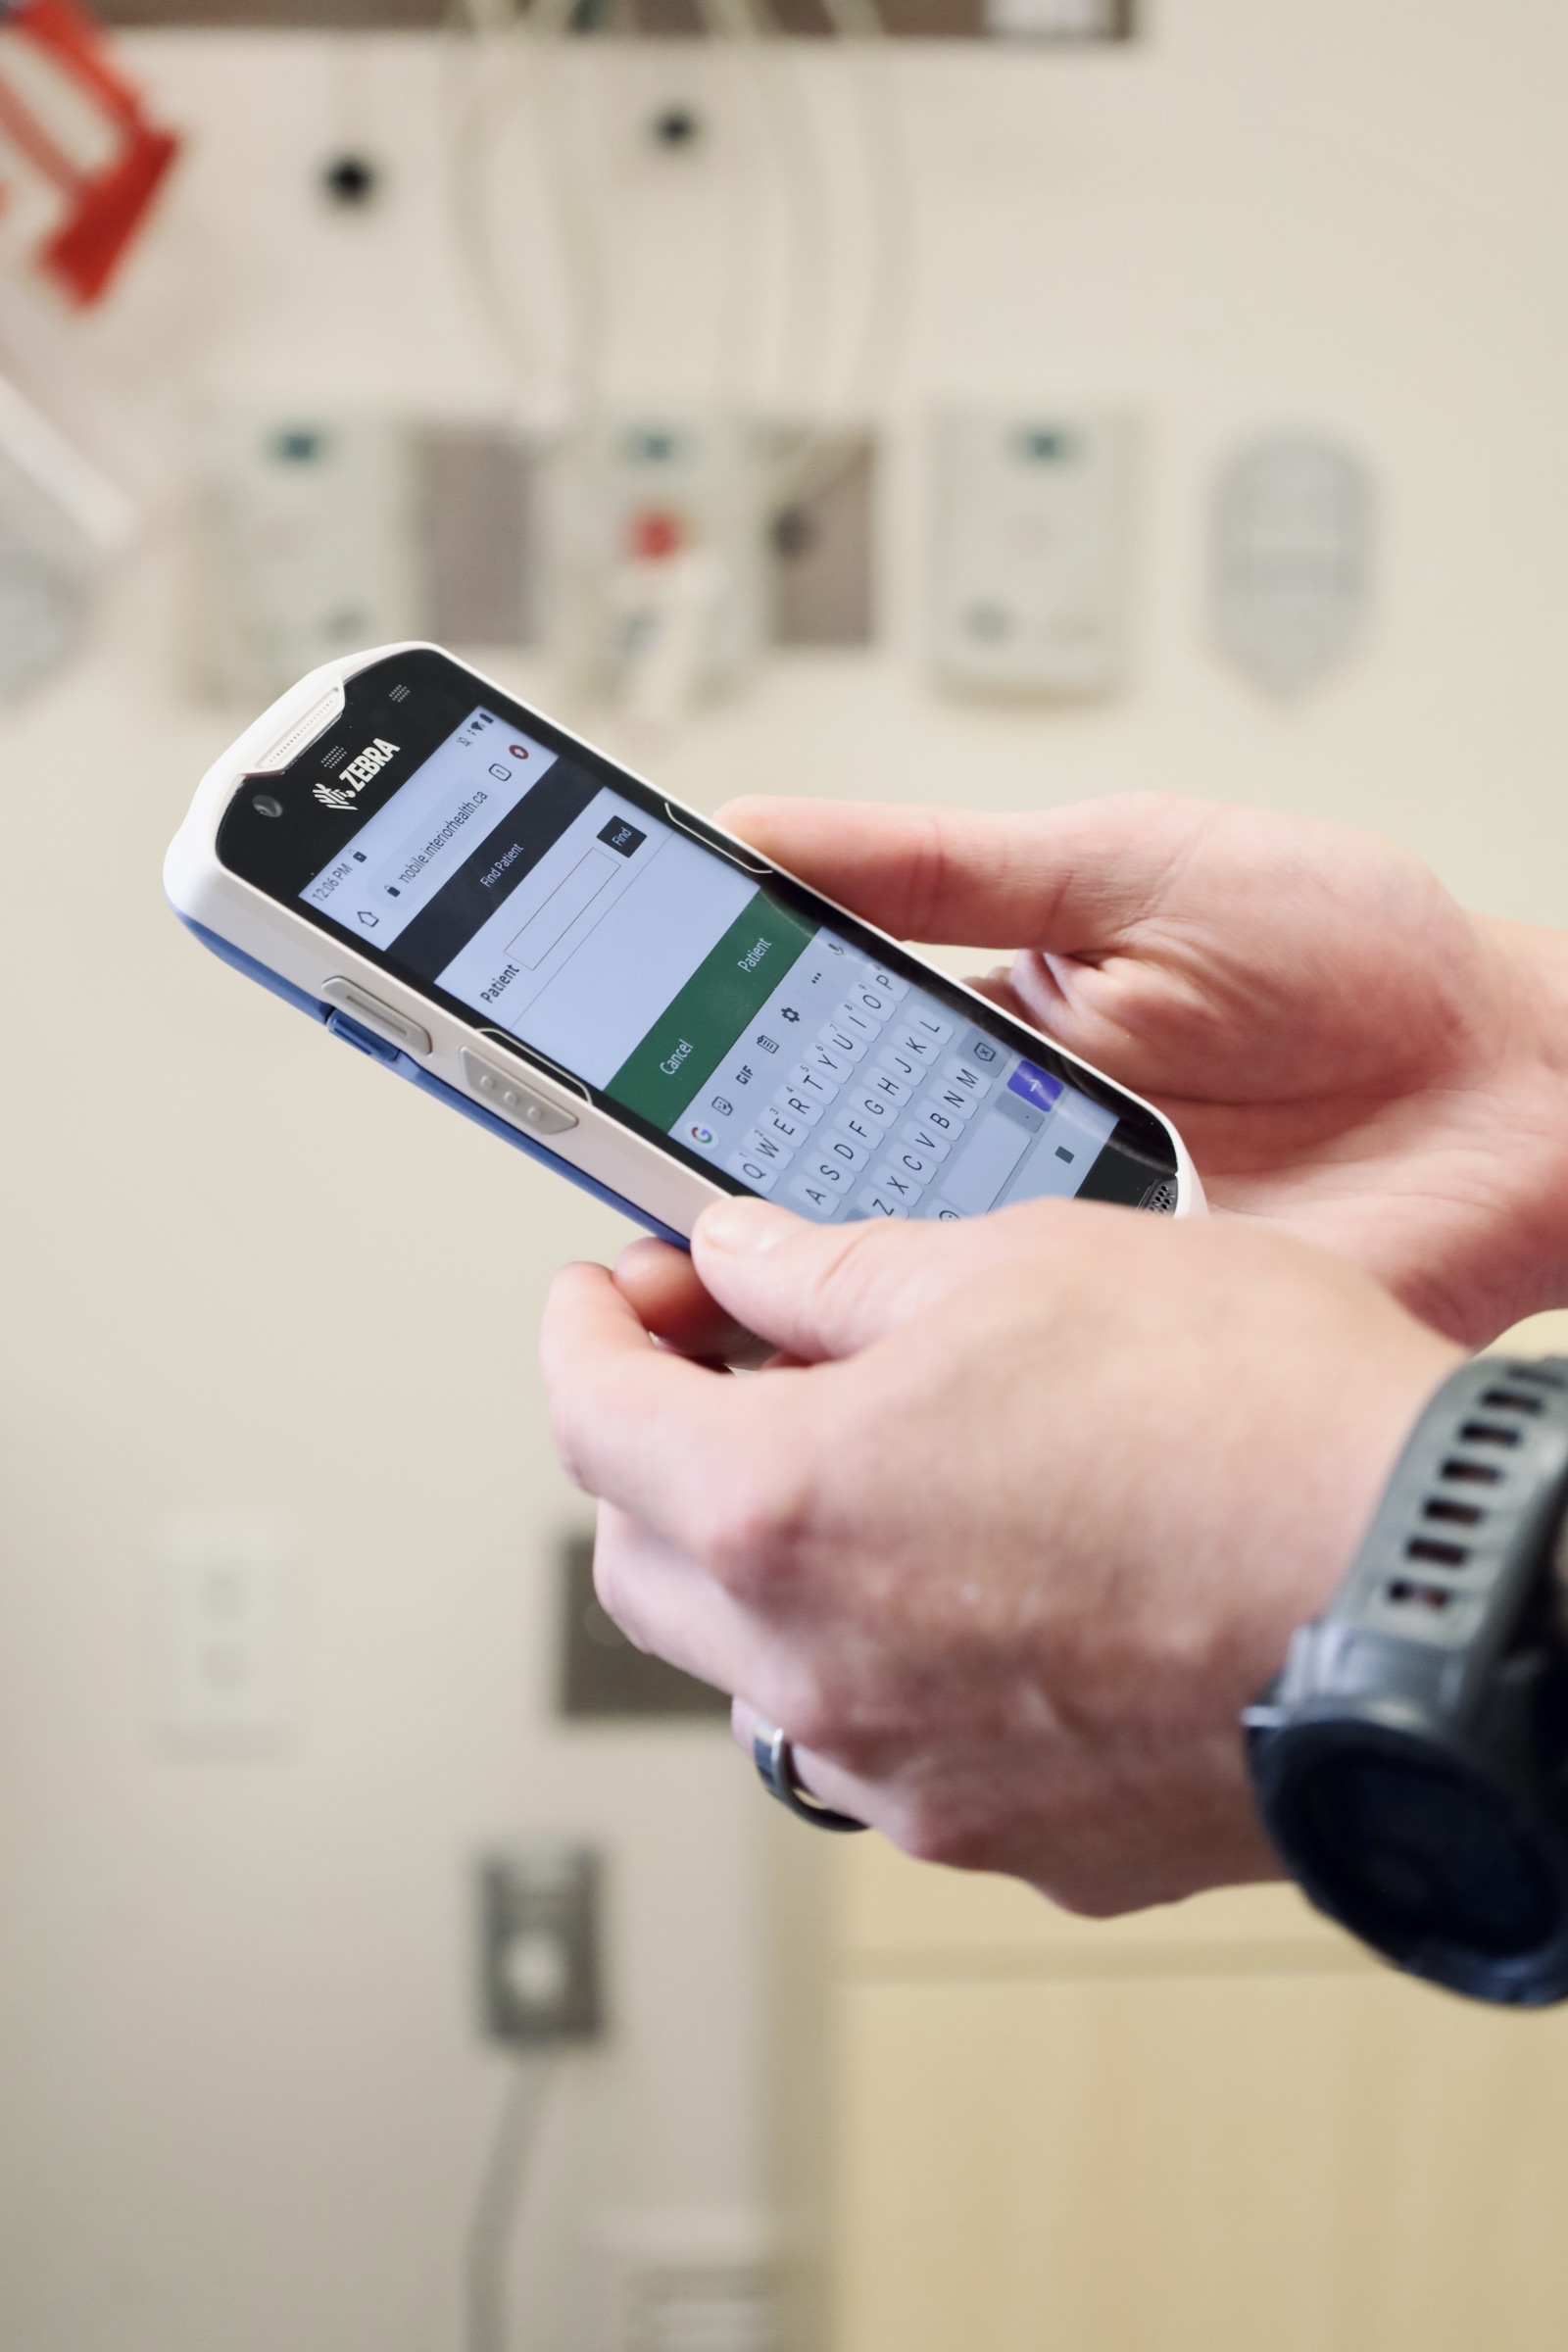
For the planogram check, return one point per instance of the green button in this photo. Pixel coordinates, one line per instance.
(692, 1036)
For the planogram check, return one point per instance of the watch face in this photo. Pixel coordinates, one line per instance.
(1428, 1824)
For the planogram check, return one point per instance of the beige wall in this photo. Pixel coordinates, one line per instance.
(241, 2103)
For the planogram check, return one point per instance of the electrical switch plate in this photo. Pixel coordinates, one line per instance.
(602, 1678)
(1029, 567)
(221, 1678)
(540, 1969)
(1293, 557)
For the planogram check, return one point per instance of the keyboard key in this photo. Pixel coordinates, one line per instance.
(777, 1121)
(817, 1198)
(882, 1085)
(878, 1111)
(958, 1072)
(975, 1179)
(868, 1122)
(897, 1183)
(924, 1137)
(921, 1048)
(760, 1174)
(848, 1149)
(904, 1064)
(874, 998)
(938, 1118)
(835, 1067)
(873, 1201)
(926, 1022)
(955, 1100)
(774, 1149)
(813, 1084)
(840, 1038)
(1034, 1086)
(832, 1171)
(887, 984)
(795, 1104)
(861, 1024)
(909, 1162)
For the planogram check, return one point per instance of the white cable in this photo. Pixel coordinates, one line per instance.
(476, 66)
(498, 2206)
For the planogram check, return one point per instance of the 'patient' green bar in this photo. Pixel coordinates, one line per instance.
(692, 1036)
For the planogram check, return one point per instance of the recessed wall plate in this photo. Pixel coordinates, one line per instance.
(822, 530)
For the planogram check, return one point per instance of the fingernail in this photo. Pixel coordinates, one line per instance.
(745, 1228)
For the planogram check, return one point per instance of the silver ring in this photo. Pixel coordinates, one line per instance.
(775, 1758)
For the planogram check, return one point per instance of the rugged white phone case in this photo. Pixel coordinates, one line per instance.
(471, 1067)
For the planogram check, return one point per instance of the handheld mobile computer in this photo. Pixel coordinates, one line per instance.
(454, 885)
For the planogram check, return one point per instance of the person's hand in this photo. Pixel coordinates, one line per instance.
(1346, 1052)
(1020, 1517)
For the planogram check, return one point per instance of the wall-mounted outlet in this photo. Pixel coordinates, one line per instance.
(540, 1969)
(219, 1606)
(666, 2281)
(1030, 558)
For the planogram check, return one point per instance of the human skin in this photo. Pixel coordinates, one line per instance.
(1019, 1518)
(1347, 1052)
(1034, 1513)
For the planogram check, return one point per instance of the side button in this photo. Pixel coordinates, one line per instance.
(509, 1095)
(351, 998)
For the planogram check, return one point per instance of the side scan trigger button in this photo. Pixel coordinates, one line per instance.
(514, 1100)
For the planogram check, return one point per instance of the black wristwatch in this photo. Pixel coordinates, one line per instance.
(1411, 1761)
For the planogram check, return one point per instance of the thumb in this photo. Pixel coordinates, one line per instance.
(817, 1292)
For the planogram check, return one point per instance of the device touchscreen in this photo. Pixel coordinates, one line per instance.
(525, 883)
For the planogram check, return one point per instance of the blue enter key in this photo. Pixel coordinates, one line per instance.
(1035, 1086)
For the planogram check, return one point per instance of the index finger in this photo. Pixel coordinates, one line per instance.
(684, 1448)
(1071, 880)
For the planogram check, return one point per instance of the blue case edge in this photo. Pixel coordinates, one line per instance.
(405, 1066)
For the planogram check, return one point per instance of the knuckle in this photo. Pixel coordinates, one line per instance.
(610, 1583)
(566, 1437)
(815, 1720)
(752, 1527)
(930, 1831)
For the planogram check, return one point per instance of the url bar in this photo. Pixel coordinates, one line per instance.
(392, 868)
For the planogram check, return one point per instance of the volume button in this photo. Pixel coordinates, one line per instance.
(386, 1019)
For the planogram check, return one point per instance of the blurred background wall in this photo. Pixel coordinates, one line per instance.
(243, 2099)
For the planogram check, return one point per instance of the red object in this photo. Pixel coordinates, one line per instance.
(655, 535)
(105, 206)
